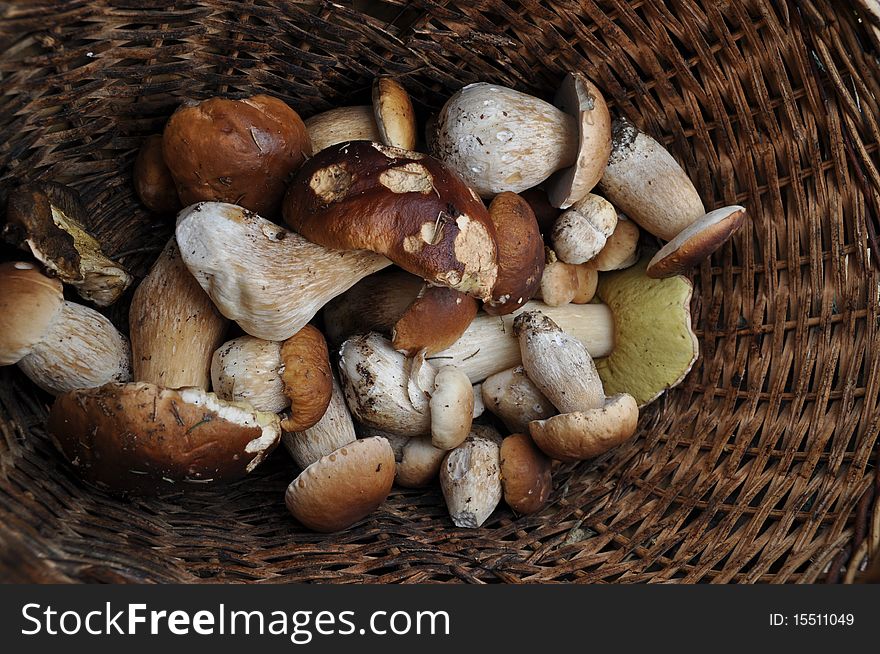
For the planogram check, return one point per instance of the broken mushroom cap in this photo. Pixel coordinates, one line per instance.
(520, 254)
(434, 320)
(470, 478)
(581, 435)
(49, 220)
(515, 398)
(452, 408)
(621, 248)
(343, 487)
(654, 344)
(153, 182)
(581, 232)
(646, 183)
(525, 474)
(269, 280)
(404, 205)
(239, 151)
(173, 325)
(419, 463)
(307, 377)
(696, 242)
(332, 431)
(29, 303)
(142, 437)
(579, 97)
(394, 114)
(341, 125)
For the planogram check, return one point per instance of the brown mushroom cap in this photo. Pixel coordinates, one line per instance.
(525, 474)
(343, 487)
(579, 97)
(29, 302)
(237, 151)
(696, 242)
(394, 113)
(402, 204)
(153, 182)
(434, 321)
(143, 437)
(520, 254)
(583, 435)
(307, 377)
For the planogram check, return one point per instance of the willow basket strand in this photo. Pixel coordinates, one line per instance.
(761, 467)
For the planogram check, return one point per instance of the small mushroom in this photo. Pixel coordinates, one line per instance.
(622, 247)
(342, 487)
(500, 140)
(273, 376)
(153, 182)
(142, 437)
(452, 408)
(696, 242)
(402, 204)
(525, 474)
(563, 282)
(589, 423)
(269, 280)
(173, 325)
(514, 398)
(332, 431)
(587, 282)
(342, 124)
(59, 345)
(434, 320)
(383, 388)
(470, 478)
(48, 220)
(419, 463)
(240, 151)
(581, 232)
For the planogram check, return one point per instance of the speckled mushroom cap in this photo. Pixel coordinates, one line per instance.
(405, 205)
(654, 343)
(142, 437)
(29, 302)
(343, 487)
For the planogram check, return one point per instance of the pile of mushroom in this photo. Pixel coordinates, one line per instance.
(462, 319)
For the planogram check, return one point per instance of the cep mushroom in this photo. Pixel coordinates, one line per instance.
(332, 431)
(589, 423)
(452, 408)
(142, 437)
(342, 487)
(621, 248)
(500, 140)
(390, 120)
(239, 151)
(514, 398)
(59, 345)
(48, 220)
(563, 282)
(273, 376)
(525, 474)
(269, 280)
(581, 232)
(153, 182)
(470, 478)
(419, 463)
(173, 325)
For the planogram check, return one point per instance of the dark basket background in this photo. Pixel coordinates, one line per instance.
(761, 467)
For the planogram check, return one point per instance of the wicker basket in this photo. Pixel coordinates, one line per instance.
(761, 467)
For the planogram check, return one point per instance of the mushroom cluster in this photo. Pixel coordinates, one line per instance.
(465, 315)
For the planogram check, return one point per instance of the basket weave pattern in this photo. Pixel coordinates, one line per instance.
(761, 467)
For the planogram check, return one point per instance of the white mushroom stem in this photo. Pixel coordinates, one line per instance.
(81, 349)
(247, 369)
(470, 478)
(271, 281)
(332, 431)
(489, 346)
(383, 388)
(580, 233)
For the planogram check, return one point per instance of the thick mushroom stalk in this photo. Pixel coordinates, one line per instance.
(266, 278)
(334, 430)
(173, 325)
(59, 345)
(470, 478)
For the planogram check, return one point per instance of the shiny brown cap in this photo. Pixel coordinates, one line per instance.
(525, 474)
(696, 242)
(238, 151)
(520, 254)
(404, 205)
(343, 487)
(434, 321)
(307, 378)
(29, 302)
(146, 438)
(152, 180)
